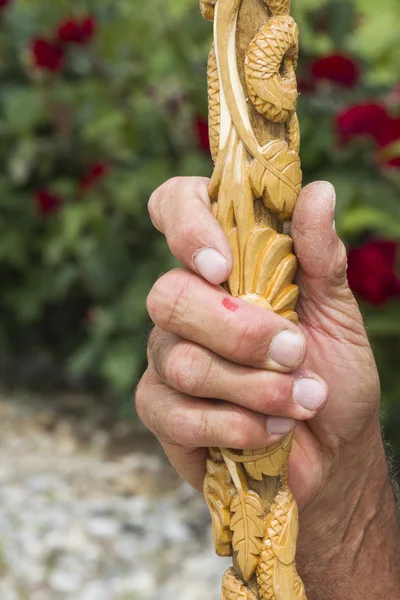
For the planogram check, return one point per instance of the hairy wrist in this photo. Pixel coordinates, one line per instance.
(349, 544)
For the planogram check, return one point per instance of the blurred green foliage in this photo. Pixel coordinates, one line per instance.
(74, 281)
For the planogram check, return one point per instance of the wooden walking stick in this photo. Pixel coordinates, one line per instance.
(255, 141)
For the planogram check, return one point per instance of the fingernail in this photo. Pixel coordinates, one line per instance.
(309, 393)
(287, 348)
(280, 425)
(211, 265)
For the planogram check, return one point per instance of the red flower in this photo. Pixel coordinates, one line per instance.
(88, 28)
(47, 202)
(4, 3)
(96, 172)
(337, 68)
(47, 55)
(393, 162)
(371, 271)
(388, 138)
(361, 119)
(201, 128)
(373, 120)
(389, 132)
(74, 31)
(69, 32)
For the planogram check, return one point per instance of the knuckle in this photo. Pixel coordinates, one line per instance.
(160, 196)
(238, 341)
(190, 186)
(158, 428)
(147, 411)
(153, 343)
(240, 434)
(185, 231)
(140, 399)
(275, 396)
(152, 301)
(158, 341)
(187, 368)
(184, 428)
(153, 206)
(249, 339)
(168, 298)
(177, 181)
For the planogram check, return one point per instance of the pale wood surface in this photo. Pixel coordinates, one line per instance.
(255, 141)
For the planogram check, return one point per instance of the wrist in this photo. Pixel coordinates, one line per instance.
(349, 544)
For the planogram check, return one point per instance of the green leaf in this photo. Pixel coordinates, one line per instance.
(23, 108)
(364, 218)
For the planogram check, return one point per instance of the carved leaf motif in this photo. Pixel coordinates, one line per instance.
(269, 461)
(284, 582)
(285, 545)
(276, 194)
(277, 577)
(271, 465)
(234, 279)
(219, 492)
(234, 589)
(247, 525)
(207, 9)
(287, 299)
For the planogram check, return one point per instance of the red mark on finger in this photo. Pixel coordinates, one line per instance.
(230, 305)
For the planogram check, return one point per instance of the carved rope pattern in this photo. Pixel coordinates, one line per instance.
(270, 67)
(214, 112)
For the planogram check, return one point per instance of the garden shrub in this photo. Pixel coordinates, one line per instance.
(102, 102)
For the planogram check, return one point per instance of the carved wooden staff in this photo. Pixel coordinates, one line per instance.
(255, 141)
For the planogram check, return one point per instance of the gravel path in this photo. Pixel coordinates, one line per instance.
(81, 521)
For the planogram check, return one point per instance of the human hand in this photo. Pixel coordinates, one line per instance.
(224, 373)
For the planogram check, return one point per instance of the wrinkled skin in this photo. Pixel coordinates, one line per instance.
(200, 351)
(170, 398)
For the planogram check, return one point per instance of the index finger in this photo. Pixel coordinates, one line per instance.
(181, 209)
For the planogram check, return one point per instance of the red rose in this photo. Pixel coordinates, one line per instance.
(389, 132)
(74, 31)
(201, 128)
(372, 119)
(362, 119)
(47, 202)
(88, 28)
(96, 172)
(69, 32)
(388, 138)
(47, 55)
(371, 271)
(337, 68)
(394, 162)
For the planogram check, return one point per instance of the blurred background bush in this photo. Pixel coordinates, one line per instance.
(100, 102)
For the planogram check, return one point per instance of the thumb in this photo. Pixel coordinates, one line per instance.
(321, 254)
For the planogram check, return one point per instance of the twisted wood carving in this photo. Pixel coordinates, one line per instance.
(255, 141)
